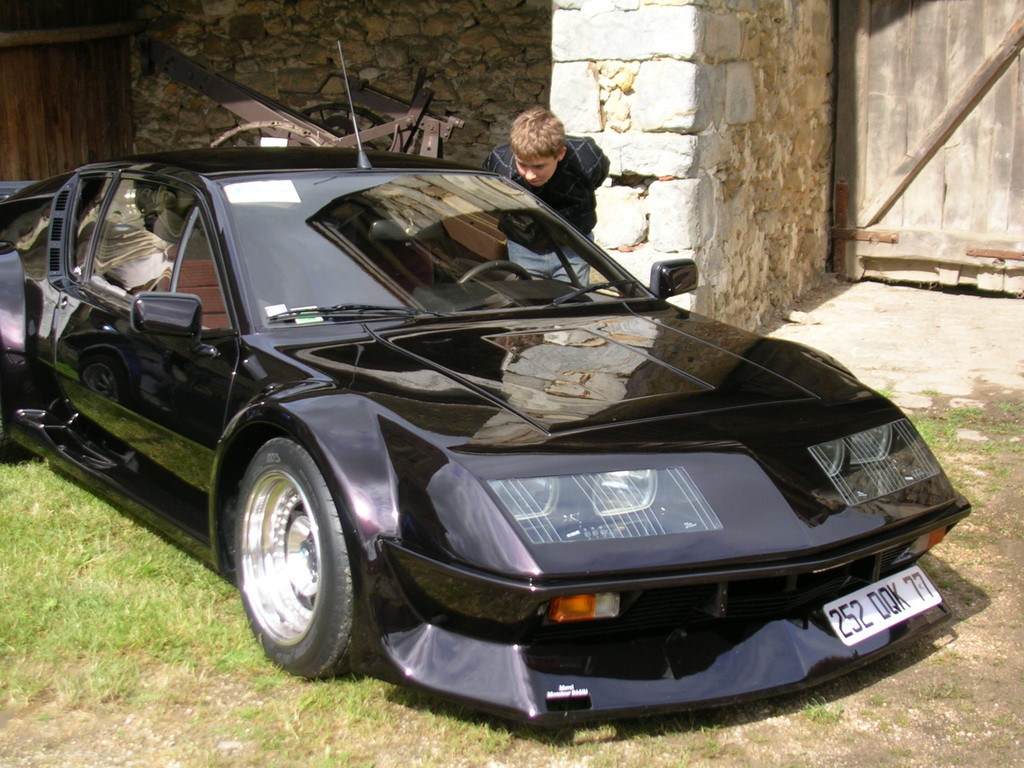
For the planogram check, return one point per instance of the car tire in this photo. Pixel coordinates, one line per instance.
(293, 565)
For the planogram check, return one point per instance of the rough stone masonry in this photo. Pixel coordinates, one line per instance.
(716, 115)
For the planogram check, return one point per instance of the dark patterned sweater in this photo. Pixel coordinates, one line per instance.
(570, 190)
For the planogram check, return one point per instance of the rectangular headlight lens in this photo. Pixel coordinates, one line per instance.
(606, 505)
(875, 462)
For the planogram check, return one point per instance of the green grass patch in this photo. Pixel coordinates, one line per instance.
(820, 712)
(90, 592)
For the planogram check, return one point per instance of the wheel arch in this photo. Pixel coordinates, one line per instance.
(232, 462)
(356, 472)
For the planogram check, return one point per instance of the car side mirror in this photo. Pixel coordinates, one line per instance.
(171, 314)
(671, 278)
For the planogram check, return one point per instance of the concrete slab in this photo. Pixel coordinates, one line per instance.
(914, 343)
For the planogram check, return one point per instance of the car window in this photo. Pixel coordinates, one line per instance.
(445, 242)
(196, 273)
(139, 237)
(92, 192)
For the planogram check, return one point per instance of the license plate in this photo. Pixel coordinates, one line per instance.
(877, 607)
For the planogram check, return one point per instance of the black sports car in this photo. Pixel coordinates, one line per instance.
(545, 492)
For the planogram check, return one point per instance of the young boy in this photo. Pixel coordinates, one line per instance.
(561, 170)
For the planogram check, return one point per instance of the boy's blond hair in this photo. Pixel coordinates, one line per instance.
(537, 133)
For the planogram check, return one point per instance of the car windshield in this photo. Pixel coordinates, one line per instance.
(318, 244)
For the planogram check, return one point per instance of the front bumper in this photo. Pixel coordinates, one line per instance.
(560, 684)
(686, 641)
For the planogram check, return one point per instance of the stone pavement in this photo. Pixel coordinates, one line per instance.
(914, 344)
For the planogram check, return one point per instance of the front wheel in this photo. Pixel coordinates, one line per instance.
(293, 566)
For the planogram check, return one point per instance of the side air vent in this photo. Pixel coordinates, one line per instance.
(58, 228)
(61, 203)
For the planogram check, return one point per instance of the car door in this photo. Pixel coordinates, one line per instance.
(158, 401)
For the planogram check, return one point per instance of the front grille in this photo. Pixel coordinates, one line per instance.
(768, 599)
(687, 607)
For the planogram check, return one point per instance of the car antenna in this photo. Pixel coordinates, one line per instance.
(362, 160)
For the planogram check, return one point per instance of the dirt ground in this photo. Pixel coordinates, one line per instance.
(916, 345)
(955, 698)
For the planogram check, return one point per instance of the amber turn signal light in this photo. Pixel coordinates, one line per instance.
(604, 605)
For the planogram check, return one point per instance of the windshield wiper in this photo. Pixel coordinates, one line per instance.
(354, 311)
(582, 291)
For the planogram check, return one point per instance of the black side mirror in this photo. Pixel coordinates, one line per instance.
(671, 278)
(171, 314)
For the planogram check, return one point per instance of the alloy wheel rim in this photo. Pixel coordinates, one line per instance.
(280, 557)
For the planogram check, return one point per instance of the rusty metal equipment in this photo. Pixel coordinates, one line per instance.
(411, 128)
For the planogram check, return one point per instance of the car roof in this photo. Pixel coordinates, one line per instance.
(233, 160)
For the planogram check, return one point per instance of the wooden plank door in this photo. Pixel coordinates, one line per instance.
(930, 142)
(65, 85)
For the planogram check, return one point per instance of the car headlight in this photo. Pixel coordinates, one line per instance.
(875, 462)
(606, 505)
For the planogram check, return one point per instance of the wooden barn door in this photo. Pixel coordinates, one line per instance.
(930, 142)
(65, 85)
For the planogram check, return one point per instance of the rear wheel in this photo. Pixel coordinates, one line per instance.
(293, 566)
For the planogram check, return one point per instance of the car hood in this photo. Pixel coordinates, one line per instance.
(573, 373)
(524, 397)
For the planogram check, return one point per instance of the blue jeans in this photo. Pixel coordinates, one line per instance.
(548, 264)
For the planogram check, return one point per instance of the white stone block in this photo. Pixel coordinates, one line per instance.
(638, 35)
(674, 211)
(671, 96)
(621, 218)
(576, 96)
(650, 154)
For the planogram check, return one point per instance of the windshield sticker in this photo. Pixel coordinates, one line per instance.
(275, 309)
(276, 191)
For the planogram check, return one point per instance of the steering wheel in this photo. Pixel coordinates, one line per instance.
(509, 266)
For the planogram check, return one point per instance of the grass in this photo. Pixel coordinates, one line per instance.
(979, 468)
(85, 590)
(820, 712)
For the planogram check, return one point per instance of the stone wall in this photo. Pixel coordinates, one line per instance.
(716, 115)
(487, 59)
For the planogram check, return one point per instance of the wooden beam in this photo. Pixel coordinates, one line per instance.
(865, 235)
(995, 253)
(69, 34)
(900, 177)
